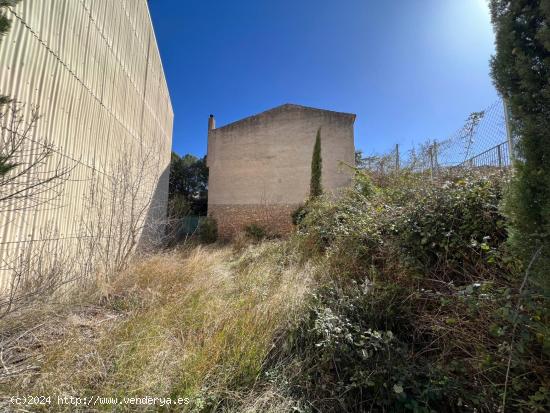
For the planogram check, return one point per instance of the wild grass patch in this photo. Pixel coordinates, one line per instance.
(394, 298)
(194, 323)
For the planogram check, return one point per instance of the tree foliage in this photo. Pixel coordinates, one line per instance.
(521, 72)
(5, 164)
(316, 188)
(188, 185)
(4, 21)
(5, 25)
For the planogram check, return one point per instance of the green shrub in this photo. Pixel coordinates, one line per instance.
(255, 232)
(400, 347)
(208, 230)
(298, 214)
(178, 207)
(350, 354)
(449, 230)
(454, 230)
(420, 306)
(362, 184)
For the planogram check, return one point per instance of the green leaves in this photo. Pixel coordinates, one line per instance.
(419, 310)
(520, 70)
(189, 180)
(6, 165)
(453, 227)
(5, 25)
(4, 21)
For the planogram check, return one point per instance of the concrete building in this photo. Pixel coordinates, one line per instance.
(260, 166)
(93, 69)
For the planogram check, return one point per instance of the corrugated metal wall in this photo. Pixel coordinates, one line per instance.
(94, 70)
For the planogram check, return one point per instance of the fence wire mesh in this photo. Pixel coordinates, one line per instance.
(483, 141)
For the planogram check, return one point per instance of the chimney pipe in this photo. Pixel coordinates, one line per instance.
(211, 123)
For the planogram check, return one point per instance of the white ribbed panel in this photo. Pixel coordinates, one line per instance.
(94, 70)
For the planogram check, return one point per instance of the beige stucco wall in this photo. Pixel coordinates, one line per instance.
(266, 159)
(94, 70)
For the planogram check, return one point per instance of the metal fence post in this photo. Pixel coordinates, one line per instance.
(490, 135)
(431, 153)
(397, 157)
(508, 131)
(436, 162)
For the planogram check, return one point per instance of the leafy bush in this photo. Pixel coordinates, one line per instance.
(349, 353)
(255, 232)
(178, 207)
(298, 214)
(208, 230)
(395, 348)
(454, 230)
(450, 230)
(421, 311)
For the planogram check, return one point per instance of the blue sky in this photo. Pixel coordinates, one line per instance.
(411, 70)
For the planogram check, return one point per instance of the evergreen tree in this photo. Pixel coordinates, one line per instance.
(4, 21)
(189, 183)
(521, 72)
(315, 187)
(4, 27)
(5, 164)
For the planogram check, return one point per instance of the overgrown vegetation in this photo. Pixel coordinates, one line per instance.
(188, 192)
(393, 298)
(521, 69)
(208, 230)
(403, 295)
(421, 308)
(255, 231)
(197, 322)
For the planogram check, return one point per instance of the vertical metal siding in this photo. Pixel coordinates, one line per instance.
(94, 70)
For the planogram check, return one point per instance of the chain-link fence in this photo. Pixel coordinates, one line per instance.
(482, 142)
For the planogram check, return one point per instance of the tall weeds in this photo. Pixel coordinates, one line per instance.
(394, 298)
(418, 310)
(197, 323)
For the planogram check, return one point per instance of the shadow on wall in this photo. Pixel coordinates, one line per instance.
(154, 234)
(102, 249)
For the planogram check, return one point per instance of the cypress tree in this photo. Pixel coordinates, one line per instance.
(521, 73)
(315, 187)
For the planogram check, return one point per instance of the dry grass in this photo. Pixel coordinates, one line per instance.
(197, 323)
